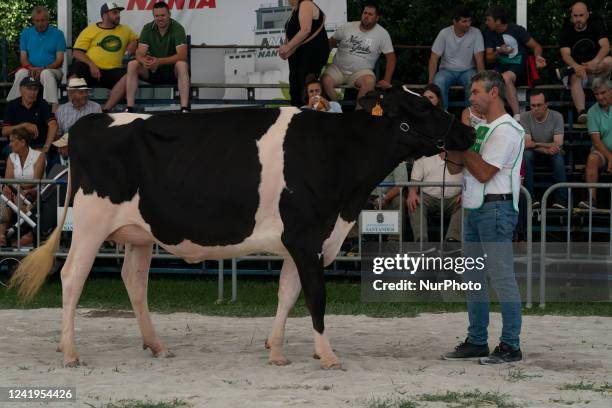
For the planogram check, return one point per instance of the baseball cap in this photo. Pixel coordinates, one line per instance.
(29, 81)
(108, 6)
(62, 141)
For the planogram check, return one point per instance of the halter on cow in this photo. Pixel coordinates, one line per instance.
(233, 182)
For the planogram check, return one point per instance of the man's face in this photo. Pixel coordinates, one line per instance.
(603, 96)
(29, 93)
(538, 105)
(78, 97)
(491, 24)
(580, 16)
(112, 17)
(161, 17)
(369, 18)
(41, 22)
(314, 90)
(480, 98)
(463, 24)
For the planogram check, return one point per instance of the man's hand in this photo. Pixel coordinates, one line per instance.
(30, 127)
(94, 71)
(580, 71)
(412, 201)
(540, 62)
(552, 150)
(383, 84)
(35, 72)
(590, 66)
(504, 49)
(151, 63)
(319, 103)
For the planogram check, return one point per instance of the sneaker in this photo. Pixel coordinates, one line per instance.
(129, 109)
(185, 109)
(559, 206)
(535, 204)
(584, 205)
(467, 351)
(582, 117)
(502, 354)
(563, 72)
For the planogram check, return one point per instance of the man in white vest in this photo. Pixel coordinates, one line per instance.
(490, 196)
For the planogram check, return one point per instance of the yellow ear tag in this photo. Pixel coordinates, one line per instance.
(377, 110)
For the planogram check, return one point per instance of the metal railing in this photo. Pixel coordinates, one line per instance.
(569, 208)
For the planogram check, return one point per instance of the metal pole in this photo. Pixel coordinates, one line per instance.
(220, 281)
(529, 294)
(234, 279)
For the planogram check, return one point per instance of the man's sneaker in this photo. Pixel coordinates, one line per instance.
(467, 351)
(563, 72)
(129, 109)
(535, 204)
(502, 354)
(582, 117)
(559, 206)
(584, 205)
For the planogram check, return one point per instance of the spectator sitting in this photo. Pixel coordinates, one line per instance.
(315, 101)
(359, 43)
(99, 50)
(431, 169)
(544, 140)
(433, 93)
(31, 113)
(62, 150)
(388, 197)
(460, 49)
(41, 55)
(599, 124)
(78, 105)
(471, 117)
(506, 47)
(585, 49)
(24, 163)
(161, 57)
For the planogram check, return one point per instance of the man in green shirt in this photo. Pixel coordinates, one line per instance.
(161, 57)
(599, 122)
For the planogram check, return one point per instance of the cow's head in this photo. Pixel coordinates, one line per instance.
(427, 129)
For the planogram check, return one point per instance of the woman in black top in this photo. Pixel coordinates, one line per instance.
(307, 46)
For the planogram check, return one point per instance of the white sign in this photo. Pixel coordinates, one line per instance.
(68, 222)
(222, 22)
(380, 222)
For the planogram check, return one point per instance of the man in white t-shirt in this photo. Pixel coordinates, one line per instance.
(359, 44)
(491, 171)
(460, 50)
(431, 169)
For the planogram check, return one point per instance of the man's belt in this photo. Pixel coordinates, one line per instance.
(497, 197)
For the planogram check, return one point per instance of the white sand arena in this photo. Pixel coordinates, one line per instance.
(221, 362)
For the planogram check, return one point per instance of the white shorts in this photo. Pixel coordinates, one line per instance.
(340, 78)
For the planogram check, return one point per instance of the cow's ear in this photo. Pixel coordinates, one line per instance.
(383, 98)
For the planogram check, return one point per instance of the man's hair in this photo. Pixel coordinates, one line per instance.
(497, 13)
(373, 5)
(461, 12)
(492, 79)
(601, 83)
(161, 4)
(40, 10)
(22, 134)
(535, 92)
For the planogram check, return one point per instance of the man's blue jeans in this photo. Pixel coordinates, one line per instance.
(445, 79)
(488, 230)
(558, 167)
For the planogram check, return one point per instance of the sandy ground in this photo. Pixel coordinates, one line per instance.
(221, 362)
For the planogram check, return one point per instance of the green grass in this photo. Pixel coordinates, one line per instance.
(256, 297)
(175, 403)
(392, 403)
(516, 374)
(588, 386)
(474, 398)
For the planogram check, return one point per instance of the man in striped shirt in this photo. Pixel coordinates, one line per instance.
(78, 105)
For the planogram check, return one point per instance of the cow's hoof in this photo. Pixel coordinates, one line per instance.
(72, 363)
(267, 345)
(165, 354)
(332, 364)
(159, 351)
(279, 361)
(316, 356)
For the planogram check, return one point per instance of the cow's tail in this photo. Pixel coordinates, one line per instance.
(29, 277)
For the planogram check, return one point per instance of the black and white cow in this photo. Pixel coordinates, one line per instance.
(224, 184)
